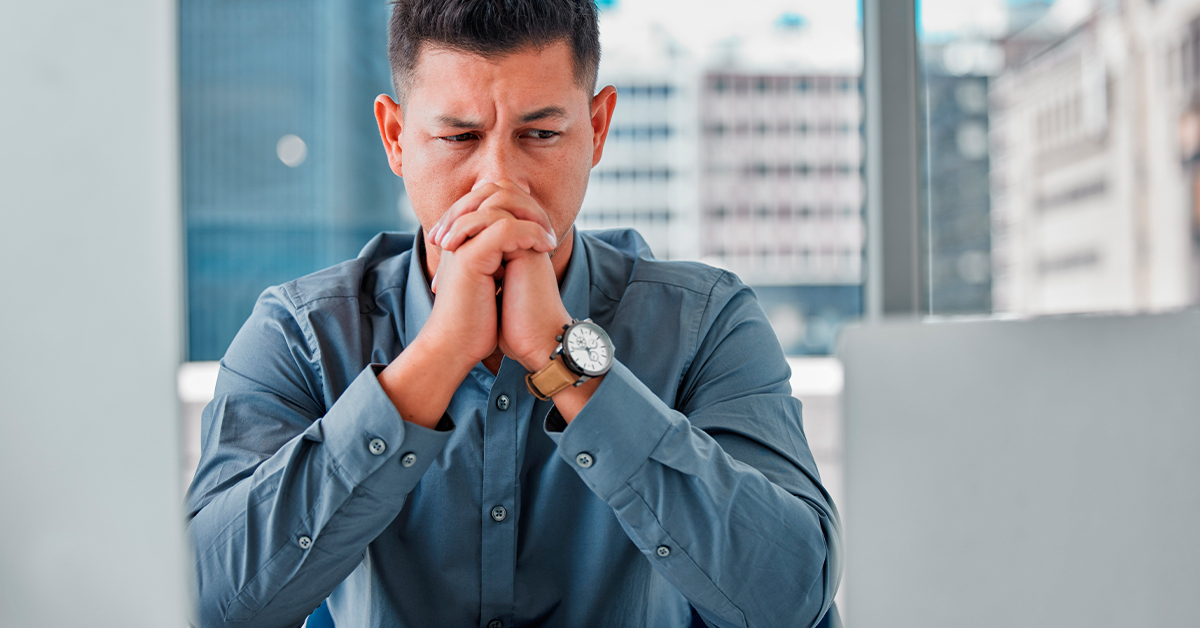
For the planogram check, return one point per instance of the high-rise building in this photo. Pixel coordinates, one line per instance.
(781, 194)
(1091, 193)
(782, 188)
(646, 178)
(958, 224)
(1184, 87)
(283, 170)
(749, 159)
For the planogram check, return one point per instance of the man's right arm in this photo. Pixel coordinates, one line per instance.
(288, 494)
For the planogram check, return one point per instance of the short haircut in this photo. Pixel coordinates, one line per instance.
(492, 29)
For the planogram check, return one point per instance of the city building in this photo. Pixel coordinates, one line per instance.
(1184, 86)
(283, 172)
(782, 191)
(748, 157)
(781, 196)
(1091, 188)
(646, 178)
(957, 168)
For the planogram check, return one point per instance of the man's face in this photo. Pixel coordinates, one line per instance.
(469, 121)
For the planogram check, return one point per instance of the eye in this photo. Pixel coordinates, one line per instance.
(539, 134)
(461, 137)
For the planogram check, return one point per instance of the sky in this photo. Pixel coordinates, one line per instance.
(828, 35)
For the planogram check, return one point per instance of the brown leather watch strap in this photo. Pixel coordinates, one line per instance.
(554, 377)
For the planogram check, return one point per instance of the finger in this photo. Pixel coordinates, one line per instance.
(501, 200)
(488, 249)
(519, 203)
(511, 255)
(468, 203)
(469, 225)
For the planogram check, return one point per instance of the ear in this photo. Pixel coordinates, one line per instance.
(602, 111)
(391, 122)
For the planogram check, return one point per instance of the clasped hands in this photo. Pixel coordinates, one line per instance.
(495, 233)
(495, 286)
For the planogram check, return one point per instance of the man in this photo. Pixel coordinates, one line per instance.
(434, 434)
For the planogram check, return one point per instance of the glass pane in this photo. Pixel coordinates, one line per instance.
(737, 142)
(1061, 142)
(283, 172)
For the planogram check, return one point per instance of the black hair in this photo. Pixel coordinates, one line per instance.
(492, 29)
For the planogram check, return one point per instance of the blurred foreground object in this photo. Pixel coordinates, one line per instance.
(1023, 473)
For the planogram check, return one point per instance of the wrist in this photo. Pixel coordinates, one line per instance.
(420, 383)
(537, 358)
(449, 349)
(438, 351)
(571, 400)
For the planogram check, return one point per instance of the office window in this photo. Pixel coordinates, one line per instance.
(283, 171)
(751, 117)
(1062, 144)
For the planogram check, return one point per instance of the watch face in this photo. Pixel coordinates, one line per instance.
(588, 349)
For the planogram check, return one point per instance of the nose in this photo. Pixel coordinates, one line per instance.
(500, 158)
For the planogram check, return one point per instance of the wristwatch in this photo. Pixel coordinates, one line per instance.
(584, 352)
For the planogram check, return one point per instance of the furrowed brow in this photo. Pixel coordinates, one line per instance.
(456, 123)
(544, 113)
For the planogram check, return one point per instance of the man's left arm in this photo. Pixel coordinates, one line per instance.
(721, 495)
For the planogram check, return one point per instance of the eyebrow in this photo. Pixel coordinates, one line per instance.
(543, 113)
(457, 123)
(552, 111)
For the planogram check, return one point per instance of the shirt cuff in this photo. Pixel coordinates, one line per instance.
(365, 433)
(614, 433)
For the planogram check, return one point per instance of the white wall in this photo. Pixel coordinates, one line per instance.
(90, 328)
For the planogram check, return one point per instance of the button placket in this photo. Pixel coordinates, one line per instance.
(503, 418)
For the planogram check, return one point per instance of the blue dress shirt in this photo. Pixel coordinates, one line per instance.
(685, 482)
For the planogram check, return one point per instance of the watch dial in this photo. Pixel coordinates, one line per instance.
(589, 348)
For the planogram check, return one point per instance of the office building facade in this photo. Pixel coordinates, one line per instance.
(1092, 192)
(958, 217)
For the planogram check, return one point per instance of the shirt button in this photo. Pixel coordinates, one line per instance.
(499, 513)
(304, 542)
(502, 402)
(495, 623)
(377, 446)
(663, 551)
(584, 460)
(408, 460)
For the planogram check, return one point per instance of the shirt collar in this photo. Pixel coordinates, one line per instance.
(576, 286)
(418, 299)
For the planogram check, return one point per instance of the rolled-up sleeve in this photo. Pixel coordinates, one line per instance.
(721, 495)
(288, 494)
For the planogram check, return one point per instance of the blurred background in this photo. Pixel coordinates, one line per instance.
(1055, 153)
